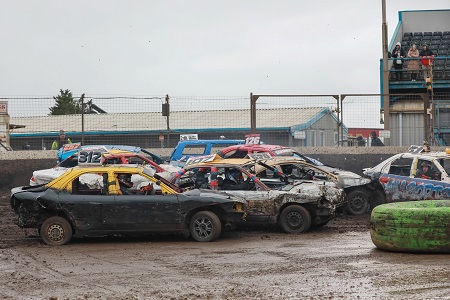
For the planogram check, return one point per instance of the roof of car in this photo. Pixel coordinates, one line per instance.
(287, 159)
(435, 154)
(258, 147)
(222, 162)
(118, 167)
(202, 142)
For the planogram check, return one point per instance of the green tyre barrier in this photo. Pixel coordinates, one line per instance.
(415, 226)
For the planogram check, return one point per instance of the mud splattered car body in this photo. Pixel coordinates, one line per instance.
(74, 209)
(295, 207)
(398, 176)
(361, 193)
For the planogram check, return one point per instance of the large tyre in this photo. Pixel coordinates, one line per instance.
(357, 202)
(295, 219)
(416, 226)
(205, 226)
(56, 231)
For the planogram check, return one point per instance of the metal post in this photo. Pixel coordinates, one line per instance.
(339, 122)
(168, 122)
(342, 118)
(385, 69)
(253, 99)
(426, 117)
(82, 119)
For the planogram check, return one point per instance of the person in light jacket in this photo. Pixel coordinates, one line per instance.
(413, 62)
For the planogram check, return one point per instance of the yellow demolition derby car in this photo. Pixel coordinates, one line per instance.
(101, 200)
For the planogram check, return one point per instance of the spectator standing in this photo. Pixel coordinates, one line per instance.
(413, 62)
(375, 140)
(62, 140)
(426, 57)
(361, 141)
(398, 54)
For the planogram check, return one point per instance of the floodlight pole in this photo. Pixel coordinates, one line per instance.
(82, 119)
(385, 68)
(168, 122)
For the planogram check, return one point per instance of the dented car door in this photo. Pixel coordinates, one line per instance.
(142, 212)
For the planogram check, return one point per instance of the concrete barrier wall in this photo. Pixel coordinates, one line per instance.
(16, 167)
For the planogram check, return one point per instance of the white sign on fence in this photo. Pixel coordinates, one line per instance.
(3, 107)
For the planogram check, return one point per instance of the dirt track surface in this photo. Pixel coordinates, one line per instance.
(338, 261)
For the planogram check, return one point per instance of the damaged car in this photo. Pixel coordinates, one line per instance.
(66, 208)
(295, 207)
(69, 149)
(414, 175)
(362, 194)
(101, 155)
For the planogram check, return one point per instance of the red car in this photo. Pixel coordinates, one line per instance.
(241, 151)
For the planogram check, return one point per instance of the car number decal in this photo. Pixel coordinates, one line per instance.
(259, 156)
(252, 139)
(73, 146)
(90, 157)
(199, 159)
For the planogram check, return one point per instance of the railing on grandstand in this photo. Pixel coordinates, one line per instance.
(440, 67)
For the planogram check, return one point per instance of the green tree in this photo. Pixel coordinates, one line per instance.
(65, 104)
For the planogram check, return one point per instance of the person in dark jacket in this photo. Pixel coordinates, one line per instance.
(375, 140)
(398, 54)
(426, 57)
(125, 184)
(426, 172)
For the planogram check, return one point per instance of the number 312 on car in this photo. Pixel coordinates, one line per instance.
(90, 158)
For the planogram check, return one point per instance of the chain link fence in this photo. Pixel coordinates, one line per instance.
(157, 121)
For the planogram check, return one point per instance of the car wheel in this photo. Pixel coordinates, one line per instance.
(357, 202)
(414, 226)
(205, 226)
(56, 231)
(295, 219)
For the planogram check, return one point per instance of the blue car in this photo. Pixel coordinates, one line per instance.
(185, 149)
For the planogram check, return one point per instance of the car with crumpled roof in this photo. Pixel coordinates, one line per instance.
(400, 180)
(295, 207)
(362, 194)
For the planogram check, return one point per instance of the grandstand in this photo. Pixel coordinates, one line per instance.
(433, 28)
(416, 104)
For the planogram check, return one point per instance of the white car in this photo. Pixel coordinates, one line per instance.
(110, 157)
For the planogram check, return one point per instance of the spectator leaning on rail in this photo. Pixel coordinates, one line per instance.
(398, 54)
(375, 140)
(426, 57)
(413, 62)
(62, 140)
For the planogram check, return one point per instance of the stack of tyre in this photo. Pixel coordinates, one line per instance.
(415, 226)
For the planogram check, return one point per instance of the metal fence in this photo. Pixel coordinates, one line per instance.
(291, 120)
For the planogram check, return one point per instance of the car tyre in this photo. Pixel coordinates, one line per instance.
(295, 219)
(357, 202)
(413, 226)
(205, 226)
(56, 231)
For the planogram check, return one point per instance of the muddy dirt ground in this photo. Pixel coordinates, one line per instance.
(338, 261)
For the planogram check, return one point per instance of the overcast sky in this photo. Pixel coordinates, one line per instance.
(194, 48)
